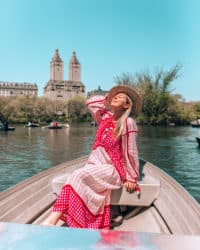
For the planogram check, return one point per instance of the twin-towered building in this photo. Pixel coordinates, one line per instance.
(59, 89)
(56, 88)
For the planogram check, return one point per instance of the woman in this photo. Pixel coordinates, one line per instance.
(84, 199)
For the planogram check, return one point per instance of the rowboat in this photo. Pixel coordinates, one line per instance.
(195, 125)
(54, 125)
(198, 140)
(164, 206)
(6, 128)
(32, 125)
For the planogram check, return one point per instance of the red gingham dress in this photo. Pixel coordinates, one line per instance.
(84, 199)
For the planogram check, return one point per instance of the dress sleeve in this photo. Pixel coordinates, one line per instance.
(96, 106)
(130, 150)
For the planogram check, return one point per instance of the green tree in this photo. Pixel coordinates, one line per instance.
(45, 110)
(76, 108)
(156, 93)
(7, 108)
(196, 108)
(25, 109)
(124, 79)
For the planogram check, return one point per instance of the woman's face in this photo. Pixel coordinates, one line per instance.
(119, 101)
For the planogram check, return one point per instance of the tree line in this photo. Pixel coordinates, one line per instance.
(24, 109)
(160, 105)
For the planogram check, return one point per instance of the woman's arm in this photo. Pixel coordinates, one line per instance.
(130, 151)
(96, 106)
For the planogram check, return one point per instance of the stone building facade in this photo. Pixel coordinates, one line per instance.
(59, 89)
(18, 89)
(98, 91)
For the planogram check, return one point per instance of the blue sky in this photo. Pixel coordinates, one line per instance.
(110, 37)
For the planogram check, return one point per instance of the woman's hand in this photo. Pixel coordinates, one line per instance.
(130, 186)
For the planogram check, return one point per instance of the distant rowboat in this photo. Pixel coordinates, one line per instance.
(58, 126)
(195, 125)
(3, 128)
(54, 125)
(32, 125)
(198, 140)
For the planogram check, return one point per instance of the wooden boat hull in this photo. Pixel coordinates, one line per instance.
(51, 127)
(173, 211)
(196, 125)
(32, 126)
(8, 129)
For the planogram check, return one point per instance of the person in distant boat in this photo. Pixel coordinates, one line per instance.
(84, 199)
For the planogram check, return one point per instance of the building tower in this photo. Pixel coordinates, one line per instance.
(56, 68)
(74, 69)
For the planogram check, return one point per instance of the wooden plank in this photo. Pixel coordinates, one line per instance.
(21, 195)
(147, 221)
(25, 208)
(42, 216)
(32, 213)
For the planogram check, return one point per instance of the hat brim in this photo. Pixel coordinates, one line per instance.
(132, 92)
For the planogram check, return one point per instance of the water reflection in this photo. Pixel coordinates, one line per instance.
(28, 151)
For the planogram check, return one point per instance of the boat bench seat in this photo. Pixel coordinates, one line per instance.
(150, 188)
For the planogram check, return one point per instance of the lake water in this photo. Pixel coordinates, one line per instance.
(28, 151)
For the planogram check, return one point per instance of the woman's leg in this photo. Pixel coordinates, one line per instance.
(52, 219)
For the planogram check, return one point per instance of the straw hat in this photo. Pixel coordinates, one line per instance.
(132, 92)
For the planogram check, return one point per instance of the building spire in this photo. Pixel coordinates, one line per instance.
(56, 67)
(74, 59)
(74, 69)
(56, 57)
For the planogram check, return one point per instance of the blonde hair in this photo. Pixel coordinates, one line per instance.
(119, 128)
